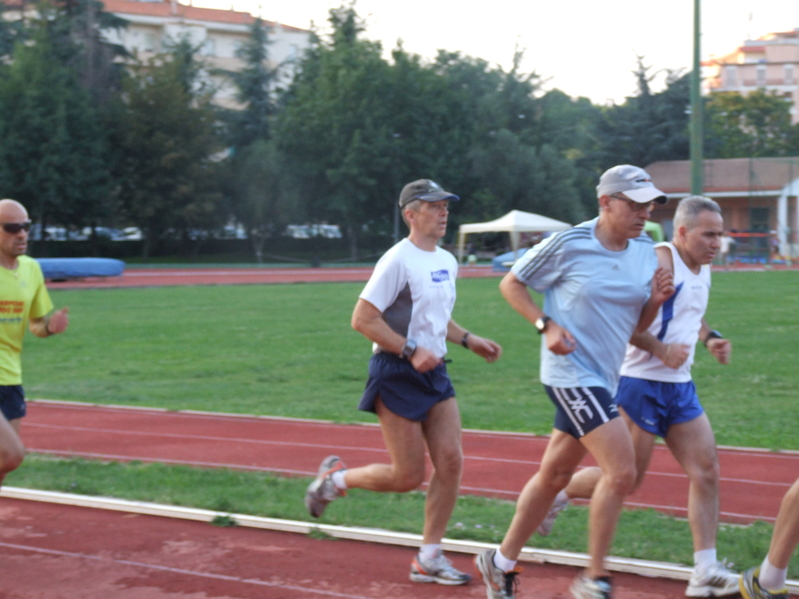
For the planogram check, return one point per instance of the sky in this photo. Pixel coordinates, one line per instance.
(582, 47)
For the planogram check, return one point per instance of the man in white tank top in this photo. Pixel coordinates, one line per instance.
(657, 397)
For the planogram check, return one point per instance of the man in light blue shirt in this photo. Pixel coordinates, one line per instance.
(601, 284)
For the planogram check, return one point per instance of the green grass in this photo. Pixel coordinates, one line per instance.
(475, 518)
(288, 350)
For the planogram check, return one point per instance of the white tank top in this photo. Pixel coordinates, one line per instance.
(677, 321)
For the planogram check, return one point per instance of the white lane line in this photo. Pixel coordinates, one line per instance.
(125, 562)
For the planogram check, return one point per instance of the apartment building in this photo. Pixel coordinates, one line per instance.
(770, 62)
(218, 33)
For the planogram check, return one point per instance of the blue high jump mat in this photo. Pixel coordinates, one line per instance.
(60, 269)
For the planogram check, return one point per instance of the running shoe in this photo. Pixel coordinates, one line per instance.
(557, 507)
(750, 588)
(587, 588)
(714, 581)
(437, 569)
(499, 584)
(322, 490)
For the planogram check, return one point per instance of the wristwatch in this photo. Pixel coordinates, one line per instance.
(541, 324)
(408, 349)
(713, 334)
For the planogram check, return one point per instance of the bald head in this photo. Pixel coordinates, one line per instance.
(12, 211)
(13, 243)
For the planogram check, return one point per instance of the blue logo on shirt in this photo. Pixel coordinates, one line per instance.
(439, 276)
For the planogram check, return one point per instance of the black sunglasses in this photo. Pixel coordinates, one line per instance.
(15, 228)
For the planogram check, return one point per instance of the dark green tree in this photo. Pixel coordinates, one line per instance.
(649, 126)
(52, 145)
(335, 130)
(164, 139)
(755, 125)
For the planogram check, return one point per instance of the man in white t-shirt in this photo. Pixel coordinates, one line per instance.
(405, 310)
(657, 397)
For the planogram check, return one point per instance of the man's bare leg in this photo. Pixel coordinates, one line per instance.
(12, 452)
(694, 446)
(405, 443)
(442, 432)
(612, 448)
(562, 455)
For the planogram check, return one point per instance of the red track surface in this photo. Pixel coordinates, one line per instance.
(61, 552)
(496, 464)
(158, 277)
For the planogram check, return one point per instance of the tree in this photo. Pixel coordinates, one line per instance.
(164, 139)
(258, 186)
(52, 146)
(256, 88)
(649, 126)
(335, 130)
(755, 125)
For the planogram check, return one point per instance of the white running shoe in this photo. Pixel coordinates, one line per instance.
(437, 569)
(499, 584)
(587, 588)
(715, 581)
(322, 490)
(557, 507)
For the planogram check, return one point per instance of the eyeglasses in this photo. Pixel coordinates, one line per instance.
(635, 206)
(15, 228)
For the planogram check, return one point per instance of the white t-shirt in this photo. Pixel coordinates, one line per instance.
(677, 321)
(415, 291)
(594, 293)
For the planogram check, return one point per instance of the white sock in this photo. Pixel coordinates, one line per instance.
(772, 578)
(430, 551)
(705, 558)
(562, 497)
(338, 480)
(503, 563)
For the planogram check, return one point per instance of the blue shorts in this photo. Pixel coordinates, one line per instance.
(655, 406)
(12, 401)
(581, 409)
(404, 390)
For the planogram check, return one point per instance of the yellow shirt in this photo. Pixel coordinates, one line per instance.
(22, 296)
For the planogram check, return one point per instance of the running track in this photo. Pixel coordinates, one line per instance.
(496, 464)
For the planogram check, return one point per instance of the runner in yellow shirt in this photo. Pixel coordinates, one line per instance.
(23, 298)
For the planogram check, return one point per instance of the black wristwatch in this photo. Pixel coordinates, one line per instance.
(408, 349)
(541, 324)
(713, 334)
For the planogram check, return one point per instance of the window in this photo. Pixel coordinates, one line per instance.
(789, 74)
(730, 76)
(761, 75)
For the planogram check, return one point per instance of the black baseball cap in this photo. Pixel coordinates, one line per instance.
(425, 190)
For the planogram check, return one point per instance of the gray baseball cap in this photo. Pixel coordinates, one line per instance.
(632, 181)
(425, 190)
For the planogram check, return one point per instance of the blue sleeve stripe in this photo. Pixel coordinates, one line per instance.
(539, 259)
(668, 312)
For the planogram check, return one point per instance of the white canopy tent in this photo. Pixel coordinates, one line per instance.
(514, 222)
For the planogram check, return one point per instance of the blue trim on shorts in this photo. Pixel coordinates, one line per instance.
(581, 409)
(12, 401)
(655, 406)
(404, 390)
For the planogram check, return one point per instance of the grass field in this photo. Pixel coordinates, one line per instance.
(288, 350)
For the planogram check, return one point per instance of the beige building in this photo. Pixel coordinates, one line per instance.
(756, 195)
(771, 63)
(219, 33)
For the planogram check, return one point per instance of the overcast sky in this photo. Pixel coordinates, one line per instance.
(583, 47)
